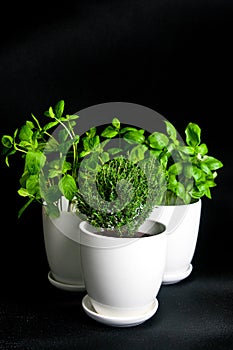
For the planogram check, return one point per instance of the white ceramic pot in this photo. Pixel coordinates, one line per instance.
(123, 275)
(182, 222)
(61, 237)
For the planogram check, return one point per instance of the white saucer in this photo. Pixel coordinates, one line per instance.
(175, 278)
(65, 286)
(117, 321)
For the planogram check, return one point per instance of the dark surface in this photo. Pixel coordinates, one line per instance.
(172, 56)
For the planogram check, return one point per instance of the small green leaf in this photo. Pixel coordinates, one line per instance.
(30, 124)
(126, 129)
(180, 190)
(32, 184)
(193, 134)
(109, 132)
(156, 153)
(7, 141)
(188, 170)
(134, 137)
(116, 123)
(72, 117)
(205, 168)
(25, 133)
(23, 192)
(114, 150)
(176, 169)
(158, 140)
(51, 113)
(213, 163)
(52, 194)
(91, 133)
(59, 108)
(202, 149)
(137, 153)
(187, 150)
(171, 130)
(198, 174)
(54, 173)
(34, 161)
(50, 125)
(25, 144)
(66, 167)
(67, 186)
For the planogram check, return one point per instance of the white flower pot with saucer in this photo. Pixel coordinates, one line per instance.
(122, 275)
(182, 222)
(61, 237)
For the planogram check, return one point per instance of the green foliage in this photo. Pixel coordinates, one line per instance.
(45, 158)
(190, 171)
(113, 186)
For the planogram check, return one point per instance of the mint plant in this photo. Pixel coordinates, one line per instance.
(44, 180)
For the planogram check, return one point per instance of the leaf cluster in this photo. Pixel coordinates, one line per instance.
(47, 166)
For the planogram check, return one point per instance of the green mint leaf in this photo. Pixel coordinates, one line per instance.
(32, 184)
(23, 192)
(30, 124)
(7, 141)
(34, 162)
(59, 108)
(67, 186)
(25, 133)
(51, 113)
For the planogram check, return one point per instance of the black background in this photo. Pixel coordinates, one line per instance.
(172, 56)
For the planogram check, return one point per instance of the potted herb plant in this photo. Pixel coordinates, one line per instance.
(47, 177)
(122, 253)
(191, 174)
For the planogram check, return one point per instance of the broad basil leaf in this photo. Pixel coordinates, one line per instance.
(158, 140)
(171, 130)
(109, 132)
(193, 134)
(213, 163)
(134, 136)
